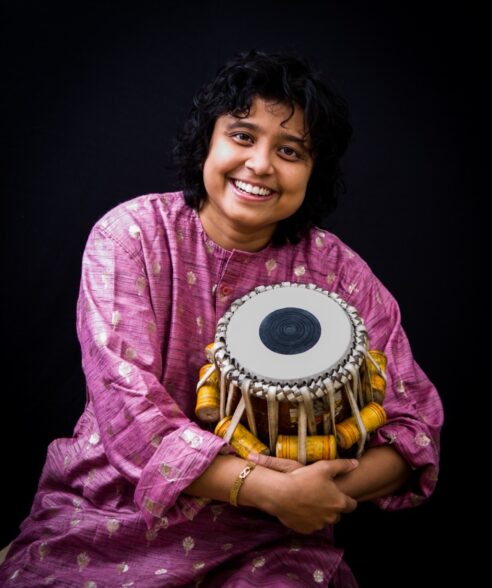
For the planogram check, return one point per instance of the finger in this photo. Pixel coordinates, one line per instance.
(351, 505)
(336, 467)
(274, 463)
(278, 464)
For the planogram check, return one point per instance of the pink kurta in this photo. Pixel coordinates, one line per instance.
(110, 509)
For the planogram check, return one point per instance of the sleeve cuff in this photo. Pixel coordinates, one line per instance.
(419, 450)
(180, 459)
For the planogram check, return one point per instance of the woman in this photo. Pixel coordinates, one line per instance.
(140, 495)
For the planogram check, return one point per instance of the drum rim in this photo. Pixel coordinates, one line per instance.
(317, 387)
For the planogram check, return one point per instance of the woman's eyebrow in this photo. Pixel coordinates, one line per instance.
(238, 124)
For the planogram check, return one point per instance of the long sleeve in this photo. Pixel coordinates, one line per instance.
(412, 404)
(123, 338)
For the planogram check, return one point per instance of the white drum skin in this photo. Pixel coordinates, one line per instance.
(251, 355)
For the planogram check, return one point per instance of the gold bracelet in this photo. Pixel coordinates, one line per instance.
(250, 466)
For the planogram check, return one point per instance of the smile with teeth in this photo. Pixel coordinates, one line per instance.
(250, 189)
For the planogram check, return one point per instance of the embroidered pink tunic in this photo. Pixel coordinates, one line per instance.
(110, 509)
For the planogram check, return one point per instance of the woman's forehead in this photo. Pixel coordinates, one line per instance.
(271, 112)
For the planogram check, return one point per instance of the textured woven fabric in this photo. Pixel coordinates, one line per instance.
(109, 510)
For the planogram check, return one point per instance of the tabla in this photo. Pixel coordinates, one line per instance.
(291, 374)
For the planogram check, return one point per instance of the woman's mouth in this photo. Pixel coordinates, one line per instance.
(250, 191)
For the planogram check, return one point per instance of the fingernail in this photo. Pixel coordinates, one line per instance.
(354, 462)
(253, 457)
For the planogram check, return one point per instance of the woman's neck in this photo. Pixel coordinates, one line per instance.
(230, 237)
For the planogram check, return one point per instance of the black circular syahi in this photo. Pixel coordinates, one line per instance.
(290, 330)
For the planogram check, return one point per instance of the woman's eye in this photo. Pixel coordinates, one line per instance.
(242, 136)
(289, 152)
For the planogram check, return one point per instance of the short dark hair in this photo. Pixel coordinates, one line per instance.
(284, 78)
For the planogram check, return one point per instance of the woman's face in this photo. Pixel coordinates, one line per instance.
(256, 171)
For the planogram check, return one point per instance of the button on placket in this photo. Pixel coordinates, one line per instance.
(229, 278)
(225, 290)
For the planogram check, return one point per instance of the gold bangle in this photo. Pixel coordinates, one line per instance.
(250, 466)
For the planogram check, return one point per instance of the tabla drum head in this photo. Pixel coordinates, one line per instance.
(289, 333)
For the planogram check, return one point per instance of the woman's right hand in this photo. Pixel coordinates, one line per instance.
(306, 499)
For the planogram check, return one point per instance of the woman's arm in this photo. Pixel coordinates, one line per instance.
(381, 472)
(304, 499)
(122, 329)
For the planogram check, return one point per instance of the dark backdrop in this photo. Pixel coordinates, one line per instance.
(94, 94)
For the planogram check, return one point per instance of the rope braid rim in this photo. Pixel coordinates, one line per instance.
(339, 375)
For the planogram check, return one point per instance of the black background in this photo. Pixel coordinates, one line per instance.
(93, 95)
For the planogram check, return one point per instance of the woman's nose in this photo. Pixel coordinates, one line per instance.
(259, 161)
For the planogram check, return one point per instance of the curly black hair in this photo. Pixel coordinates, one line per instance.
(281, 77)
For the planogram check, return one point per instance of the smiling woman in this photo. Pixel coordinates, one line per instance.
(143, 488)
(291, 124)
(255, 175)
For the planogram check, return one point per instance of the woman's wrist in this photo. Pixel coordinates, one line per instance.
(259, 489)
(239, 482)
(262, 489)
